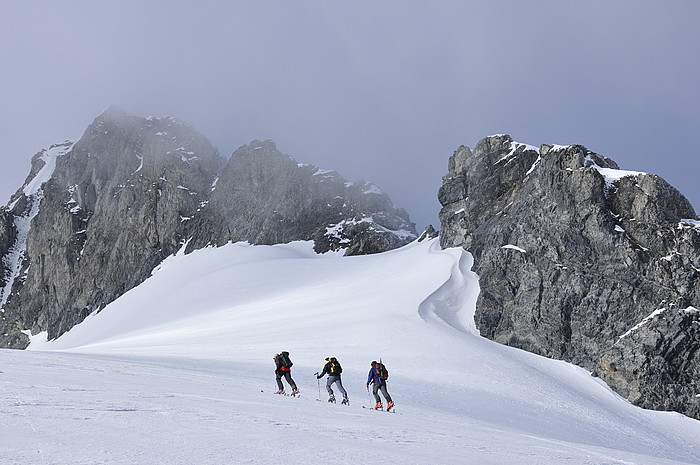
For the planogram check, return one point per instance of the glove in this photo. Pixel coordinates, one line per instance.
(318, 377)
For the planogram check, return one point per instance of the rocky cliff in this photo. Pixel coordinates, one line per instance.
(94, 218)
(581, 261)
(265, 197)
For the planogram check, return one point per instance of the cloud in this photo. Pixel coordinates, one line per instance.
(382, 91)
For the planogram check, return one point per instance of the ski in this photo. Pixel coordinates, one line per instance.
(372, 408)
(333, 401)
(297, 394)
(392, 410)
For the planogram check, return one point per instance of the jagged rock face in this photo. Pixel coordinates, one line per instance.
(114, 207)
(266, 197)
(95, 218)
(8, 235)
(573, 257)
(428, 233)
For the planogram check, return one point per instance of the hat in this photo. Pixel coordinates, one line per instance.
(374, 362)
(328, 359)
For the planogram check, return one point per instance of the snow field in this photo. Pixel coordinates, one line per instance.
(179, 370)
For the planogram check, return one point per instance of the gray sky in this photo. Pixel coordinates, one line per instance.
(378, 90)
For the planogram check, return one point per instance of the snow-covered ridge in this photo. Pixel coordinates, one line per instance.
(320, 172)
(611, 175)
(654, 314)
(33, 191)
(514, 146)
(694, 223)
(168, 119)
(646, 320)
(49, 158)
(558, 148)
(372, 188)
(337, 229)
(187, 354)
(691, 310)
(519, 147)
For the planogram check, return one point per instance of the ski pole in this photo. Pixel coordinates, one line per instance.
(318, 381)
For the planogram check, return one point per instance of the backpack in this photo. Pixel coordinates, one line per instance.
(335, 368)
(383, 372)
(286, 362)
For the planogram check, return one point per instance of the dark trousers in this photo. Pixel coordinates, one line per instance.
(380, 387)
(288, 376)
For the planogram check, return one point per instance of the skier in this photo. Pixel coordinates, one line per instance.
(377, 376)
(283, 367)
(333, 368)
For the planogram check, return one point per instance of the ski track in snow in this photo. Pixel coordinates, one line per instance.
(179, 371)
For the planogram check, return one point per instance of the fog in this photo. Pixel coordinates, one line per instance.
(381, 91)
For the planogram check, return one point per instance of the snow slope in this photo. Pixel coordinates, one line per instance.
(179, 371)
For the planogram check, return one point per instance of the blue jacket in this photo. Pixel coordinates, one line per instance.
(373, 376)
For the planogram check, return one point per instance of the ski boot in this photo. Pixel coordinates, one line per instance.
(331, 399)
(378, 406)
(295, 392)
(345, 401)
(390, 405)
(281, 392)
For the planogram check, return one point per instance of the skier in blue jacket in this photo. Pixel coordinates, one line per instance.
(377, 377)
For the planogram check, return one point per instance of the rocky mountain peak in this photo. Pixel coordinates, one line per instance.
(266, 197)
(94, 218)
(573, 254)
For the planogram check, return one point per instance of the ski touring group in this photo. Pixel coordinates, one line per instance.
(377, 378)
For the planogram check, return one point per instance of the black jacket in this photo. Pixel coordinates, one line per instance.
(283, 362)
(327, 369)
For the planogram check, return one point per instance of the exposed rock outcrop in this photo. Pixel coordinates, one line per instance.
(581, 261)
(428, 233)
(265, 197)
(94, 219)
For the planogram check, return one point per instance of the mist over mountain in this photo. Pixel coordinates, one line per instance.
(95, 217)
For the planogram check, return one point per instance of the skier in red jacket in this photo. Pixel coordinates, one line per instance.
(283, 368)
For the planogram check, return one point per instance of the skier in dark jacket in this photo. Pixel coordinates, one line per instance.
(379, 384)
(283, 368)
(333, 368)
